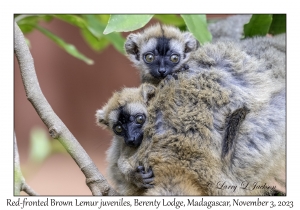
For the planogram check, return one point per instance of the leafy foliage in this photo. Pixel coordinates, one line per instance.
(93, 34)
(198, 26)
(278, 25)
(174, 20)
(100, 31)
(125, 23)
(41, 147)
(261, 25)
(258, 25)
(71, 49)
(27, 23)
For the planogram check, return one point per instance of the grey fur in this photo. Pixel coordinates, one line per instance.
(185, 130)
(190, 110)
(230, 28)
(128, 180)
(184, 43)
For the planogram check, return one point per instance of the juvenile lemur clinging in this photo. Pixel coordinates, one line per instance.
(125, 114)
(183, 142)
(160, 50)
(222, 126)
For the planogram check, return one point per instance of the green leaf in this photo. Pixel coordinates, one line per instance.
(175, 20)
(96, 25)
(86, 22)
(40, 147)
(73, 19)
(94, 43)
(197, 25)
(117, 41)
(25, 28)
(258, 25)
(103, 18)
(82, 23)
(46, 18)
(71, 49)
(278, 25)
(29, 19)
(27, 22)
(125, 23)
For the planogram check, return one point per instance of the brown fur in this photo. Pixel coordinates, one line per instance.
(185, 130)
(184, 136)
(121, 172)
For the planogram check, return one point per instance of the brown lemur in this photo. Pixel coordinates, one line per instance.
(125, 114)
(194, 138)
(220, 130)
(214, 131)
(163, 54)
(159, 51)
(162, 50)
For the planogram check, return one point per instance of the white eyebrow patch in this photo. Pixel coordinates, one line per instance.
(113, 117)
(135, 108)
(176, 46)
(149, 45)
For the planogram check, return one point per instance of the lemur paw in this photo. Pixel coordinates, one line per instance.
(145, 178)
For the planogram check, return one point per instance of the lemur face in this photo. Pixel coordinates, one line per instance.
(161, 57)
(127, 123)
(159, 51)
(126, 114)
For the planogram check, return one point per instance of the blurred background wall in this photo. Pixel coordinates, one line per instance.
(74, 90)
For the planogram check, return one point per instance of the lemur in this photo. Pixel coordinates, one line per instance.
(125, 114)
(152, 55)
(159, 51)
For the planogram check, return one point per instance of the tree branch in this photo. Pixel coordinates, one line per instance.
(20, 184)
(26, 188)
(57, 129)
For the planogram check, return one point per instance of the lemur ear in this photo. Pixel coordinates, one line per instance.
(100, 118)
(148, 92)
(191, 43)
(131, 46)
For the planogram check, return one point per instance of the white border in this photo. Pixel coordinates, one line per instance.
(188, 6)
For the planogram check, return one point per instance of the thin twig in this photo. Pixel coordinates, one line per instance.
(26, 188)
(19, 179)
(57, 129)
(20, 184)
